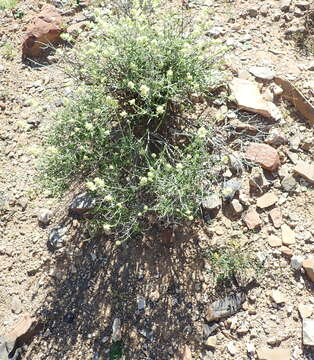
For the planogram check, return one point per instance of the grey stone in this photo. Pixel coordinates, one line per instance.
(308, 332)
(302, 5)
(82, 203)
(211, 202)
(230, 188)
(57, 237)
(285, 5)
(288, 183)
(262, 72)
(141, 303)
(44, 216)
(116, 330)
(16, 305)
(296, 262)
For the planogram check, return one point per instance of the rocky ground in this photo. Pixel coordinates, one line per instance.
(157, 292)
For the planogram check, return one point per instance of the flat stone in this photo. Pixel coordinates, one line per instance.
(264, 353)
(278, 297)
(264, 155)
(116, 330)
(308, 266)
(308, 332)
(252, 219)
(262, 72)
(296, 262)
(231, 348)
(57, 237)
(310, 67)
(305, 311)
(305, 170)
(276, 217)
(249, 98)
(274, 241)
(287, 235)
(267, 200)
(276, 138)
(257, 179)
(285, 5)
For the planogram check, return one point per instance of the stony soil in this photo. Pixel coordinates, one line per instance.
(78, 291)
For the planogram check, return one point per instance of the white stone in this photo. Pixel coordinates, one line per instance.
(262, 72)
(296, 262)
(308, 332)
(231, 348)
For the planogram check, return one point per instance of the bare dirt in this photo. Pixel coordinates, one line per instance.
(78, 291)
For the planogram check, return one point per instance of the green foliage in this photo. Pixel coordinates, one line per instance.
(130, 131)
(116, 350)
(8, 4)
(8, 51)
(231, 260)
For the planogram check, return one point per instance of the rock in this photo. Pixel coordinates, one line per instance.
(285, 5)
(276, 138)
(302, 5)
(82, 203)
(310, 67)
(75, 29)
(266, 200)
(208, 330)
(184, 354)
(276, 217)
(116, 330)
(274, 241)
(230, 188)
(57, 237)
(141, 303)
(288, 183)
(225, 307)
(307, 143)
(45, 29)
(211, 202)
(308, 332)
(252, 219)
(287, 235)
(278, 297)
(250, 348)
(261, 72)
(257, 179)
(296, 262)
(263, 155)
(16, 305)
(291, 93)
(22, 332)
(231, 348)
(249, 98)
(264, 353)
(44, 216)
(308, 266)
(211, 342)
(305, 170)
(305, 311)
(286, 251)
(236, 206)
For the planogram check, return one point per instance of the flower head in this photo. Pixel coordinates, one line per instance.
(89, 126)
(124, 114)
(144, 90)
(131, 85)
(202, 132)
(160, 109)
(179, 166)
(91, 186)
(132, 102)
(99, 182)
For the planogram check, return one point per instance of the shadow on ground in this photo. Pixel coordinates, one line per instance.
(94, 282)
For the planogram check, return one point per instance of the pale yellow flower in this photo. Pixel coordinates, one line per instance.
(89, 126)
(202, 132)
(99, 182)
(179, 166)
(124, 114)
(108, 198)
(160, 109)
(131, 85)
(91, 186)
(132, 102)
(144, 90)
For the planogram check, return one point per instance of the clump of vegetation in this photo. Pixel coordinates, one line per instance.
(230, 261)
(8, 51)
(8, 4)
(130, 130)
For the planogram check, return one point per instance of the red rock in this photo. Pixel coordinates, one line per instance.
(265, 353)
(184, 354)
(252, 219)
(267, 200)
(264, 155)
(276, 217)
(305, 170)
(308, 266)
(286, 251)
(21, 328)
(44, 29)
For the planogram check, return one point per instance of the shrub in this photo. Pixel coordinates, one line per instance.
(130, 131)
(8, 4)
